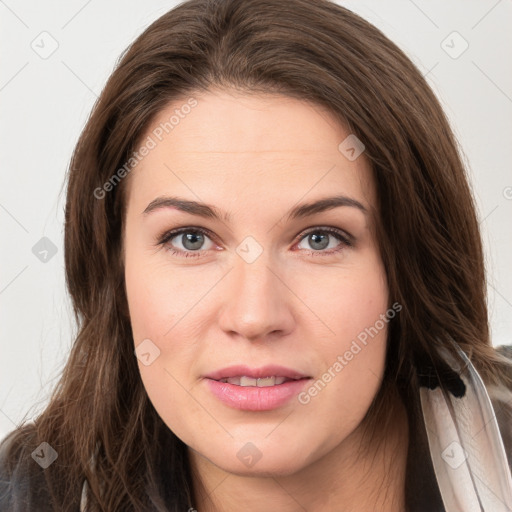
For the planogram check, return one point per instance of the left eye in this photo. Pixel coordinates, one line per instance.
(318, 240)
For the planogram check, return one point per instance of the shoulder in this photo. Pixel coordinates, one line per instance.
(501, 398)
(22, 484)
(13, 490)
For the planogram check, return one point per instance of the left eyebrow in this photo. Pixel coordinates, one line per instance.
(209, 211)
(322, 205)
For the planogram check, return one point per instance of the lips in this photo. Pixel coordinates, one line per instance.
(256, 373)
(255, 389)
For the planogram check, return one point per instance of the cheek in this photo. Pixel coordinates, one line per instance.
(153, 314)
(166, 308)
(160, 306)
(161, 298)
(353, 356)
(349, 304)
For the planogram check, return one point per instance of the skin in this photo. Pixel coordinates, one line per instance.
(255, 157)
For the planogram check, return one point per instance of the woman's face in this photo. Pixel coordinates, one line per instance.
(286, 299)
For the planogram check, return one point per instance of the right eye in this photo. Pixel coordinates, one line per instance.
(189, 241)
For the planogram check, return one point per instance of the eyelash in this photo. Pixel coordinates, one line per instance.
(346, 241)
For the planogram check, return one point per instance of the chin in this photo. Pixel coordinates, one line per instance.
(271, 463)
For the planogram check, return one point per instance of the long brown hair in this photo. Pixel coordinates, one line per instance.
(99, 419)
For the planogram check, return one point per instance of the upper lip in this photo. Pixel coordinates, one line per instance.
(255, 373)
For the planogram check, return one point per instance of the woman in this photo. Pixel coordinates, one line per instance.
(275, 262)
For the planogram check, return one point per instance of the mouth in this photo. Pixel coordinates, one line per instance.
(255, 389)
(262, 382)
(248, 376)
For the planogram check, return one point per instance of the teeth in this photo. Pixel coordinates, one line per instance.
(266, 381)
(247, 381)
(250, 381)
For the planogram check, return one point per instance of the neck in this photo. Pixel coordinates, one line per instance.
(347, 479)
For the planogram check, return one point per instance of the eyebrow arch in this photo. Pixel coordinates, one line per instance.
(209, 211)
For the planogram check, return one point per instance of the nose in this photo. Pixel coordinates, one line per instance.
(256, 303)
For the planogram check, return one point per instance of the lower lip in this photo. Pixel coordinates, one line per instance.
(252, 398)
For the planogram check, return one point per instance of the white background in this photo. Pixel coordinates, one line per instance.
(44, 104)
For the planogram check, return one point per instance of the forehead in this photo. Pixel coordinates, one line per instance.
(262, 122)
(239, 143)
